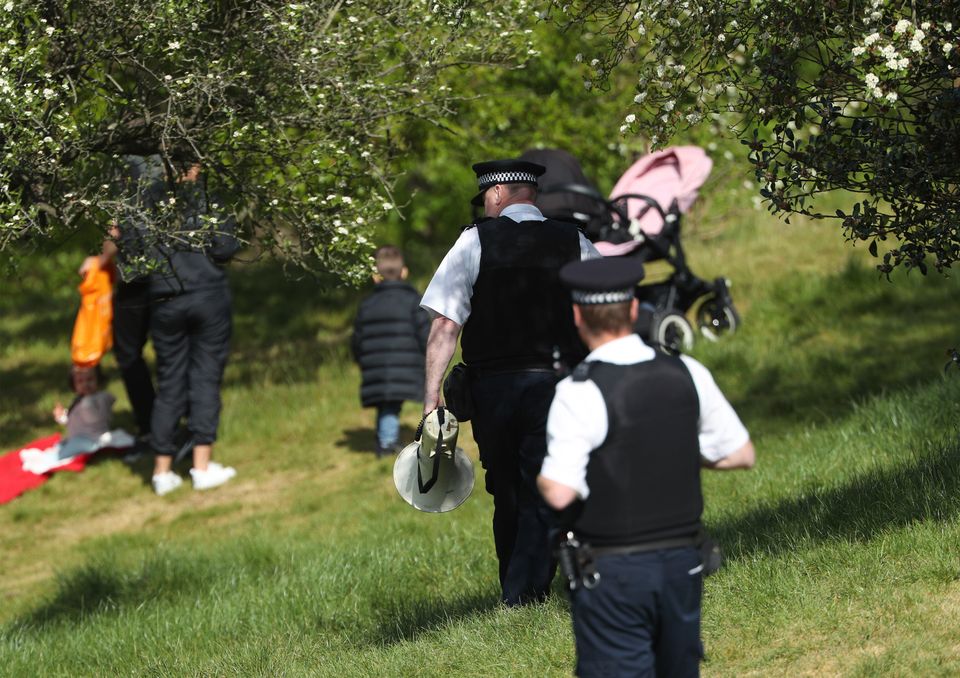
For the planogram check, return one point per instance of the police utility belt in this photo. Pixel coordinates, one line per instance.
(578, 564)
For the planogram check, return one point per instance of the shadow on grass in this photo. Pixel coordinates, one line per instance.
(364, 440)
(925, 489)
(407, 621)
(840, 340)
(286, 327)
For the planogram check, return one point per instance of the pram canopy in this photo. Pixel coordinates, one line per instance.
(555, 199)
(671, 175)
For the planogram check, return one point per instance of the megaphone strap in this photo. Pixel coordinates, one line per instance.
(424, 488)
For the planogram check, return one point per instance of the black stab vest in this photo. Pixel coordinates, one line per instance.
(519, 309)
(644, 479)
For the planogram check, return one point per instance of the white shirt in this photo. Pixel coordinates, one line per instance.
(451, 288)
(577, 423)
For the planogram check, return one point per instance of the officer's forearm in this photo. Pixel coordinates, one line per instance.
(557, 495)
(440, 348)
(744, 457)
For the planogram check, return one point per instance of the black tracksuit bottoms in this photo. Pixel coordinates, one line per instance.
(131, 324)
(191, 337)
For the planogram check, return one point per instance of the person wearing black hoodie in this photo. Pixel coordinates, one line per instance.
(190, 326)
(389, 342)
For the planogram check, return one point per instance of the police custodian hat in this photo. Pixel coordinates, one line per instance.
(511, 171)
(607, 280)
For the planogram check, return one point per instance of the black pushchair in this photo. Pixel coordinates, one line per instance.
(633, 222)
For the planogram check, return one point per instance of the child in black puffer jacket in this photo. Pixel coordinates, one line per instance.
(389, 342)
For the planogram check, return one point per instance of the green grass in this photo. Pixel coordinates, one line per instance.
(841, 546)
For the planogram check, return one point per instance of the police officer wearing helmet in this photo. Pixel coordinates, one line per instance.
(627, 434)
(499, 284)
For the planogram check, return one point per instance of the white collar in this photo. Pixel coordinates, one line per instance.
(623, 351)
(520, 211)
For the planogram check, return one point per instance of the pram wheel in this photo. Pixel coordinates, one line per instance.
(716, 318)
(672, 332)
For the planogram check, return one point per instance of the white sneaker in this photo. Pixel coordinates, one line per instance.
(165, 483)
(214, 476)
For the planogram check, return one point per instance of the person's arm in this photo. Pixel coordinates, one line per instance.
(587, 249)
(557, 495)
(576, 425)
(108, 253)
(743, 458)
(724, 441)
(440, 348)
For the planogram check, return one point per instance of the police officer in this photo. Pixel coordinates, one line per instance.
(627, 434)
(499, 284)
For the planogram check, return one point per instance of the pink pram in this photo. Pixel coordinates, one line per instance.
(642, 218)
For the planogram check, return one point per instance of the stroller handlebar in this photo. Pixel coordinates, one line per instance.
(621, 202)
(617, 206)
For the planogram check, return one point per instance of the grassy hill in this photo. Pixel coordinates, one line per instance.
(841, 546)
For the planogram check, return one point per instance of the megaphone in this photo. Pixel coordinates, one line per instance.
(432, 474)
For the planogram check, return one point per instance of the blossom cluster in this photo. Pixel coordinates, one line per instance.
(822, 102)
(292, 108)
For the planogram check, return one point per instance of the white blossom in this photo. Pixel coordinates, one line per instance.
(902, 26)
(891, 97)
(630, 119)
(870, 39)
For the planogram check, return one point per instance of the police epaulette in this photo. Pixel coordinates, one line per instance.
(581, 372)
(476, 221)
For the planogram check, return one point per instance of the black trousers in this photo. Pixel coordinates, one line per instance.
(131, 325)
(510, 427)
(191, 337)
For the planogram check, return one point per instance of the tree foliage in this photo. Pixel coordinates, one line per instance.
(855, 95)
(539, 104)
(289, 107)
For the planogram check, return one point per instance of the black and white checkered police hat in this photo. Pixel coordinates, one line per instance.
(607, 280)
(512, 171)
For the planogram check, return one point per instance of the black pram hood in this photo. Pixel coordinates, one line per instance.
(563, 168)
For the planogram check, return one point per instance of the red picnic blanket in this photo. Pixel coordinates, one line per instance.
(14, 481)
